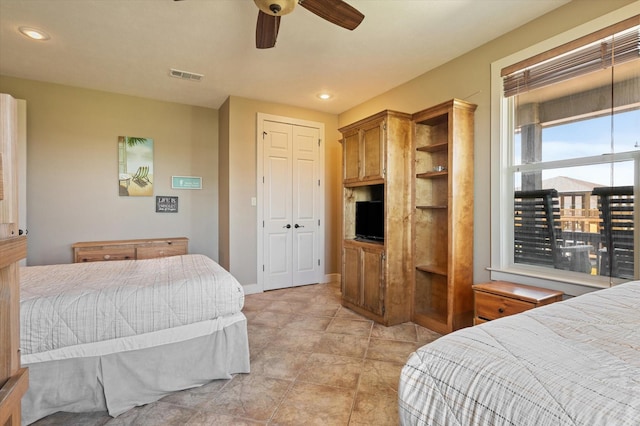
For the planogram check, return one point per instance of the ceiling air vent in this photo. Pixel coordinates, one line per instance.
(185, 75)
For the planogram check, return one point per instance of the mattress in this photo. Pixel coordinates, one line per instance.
(82, 303)
(574, 362)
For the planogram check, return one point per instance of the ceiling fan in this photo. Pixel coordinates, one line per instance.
(335, 11)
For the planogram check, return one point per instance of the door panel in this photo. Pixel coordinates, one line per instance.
(373, 155)
(351, 275)
(305, 201)
(279, 266)
(351, 153)
(304, 243)
(277, 206)
(372, 279)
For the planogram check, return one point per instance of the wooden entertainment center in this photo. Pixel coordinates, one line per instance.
(423, 164)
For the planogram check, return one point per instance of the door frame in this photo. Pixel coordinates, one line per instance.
(260, 119)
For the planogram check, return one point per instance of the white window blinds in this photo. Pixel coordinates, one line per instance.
(610, 46)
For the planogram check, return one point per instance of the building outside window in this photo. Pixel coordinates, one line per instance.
(564, 197)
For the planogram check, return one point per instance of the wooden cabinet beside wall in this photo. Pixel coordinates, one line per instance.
(443, 216)
(149, 248)
(14, 379)
(423, 164)
(376, 165)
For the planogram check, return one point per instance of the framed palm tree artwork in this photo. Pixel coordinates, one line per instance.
(135, 166)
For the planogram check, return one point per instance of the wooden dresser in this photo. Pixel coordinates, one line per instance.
(499, 299)
(148, 248)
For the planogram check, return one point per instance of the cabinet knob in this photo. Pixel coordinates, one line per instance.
(107, 256)
(501, 310)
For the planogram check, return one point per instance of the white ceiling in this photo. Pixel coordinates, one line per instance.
(129, 46)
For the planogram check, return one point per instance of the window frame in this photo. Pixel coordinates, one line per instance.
(502, 190)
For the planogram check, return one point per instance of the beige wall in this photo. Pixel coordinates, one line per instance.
(468, 77)
(241, 248)
(72, 169)
(72, 159)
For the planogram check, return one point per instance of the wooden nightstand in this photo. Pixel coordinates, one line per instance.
(499, 299)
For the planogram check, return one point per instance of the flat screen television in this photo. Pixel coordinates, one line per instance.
(370, 220)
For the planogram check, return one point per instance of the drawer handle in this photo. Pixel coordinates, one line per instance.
(107, 256)
(501, 310)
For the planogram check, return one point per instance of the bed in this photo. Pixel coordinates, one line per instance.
(575, 362)
(114, 335)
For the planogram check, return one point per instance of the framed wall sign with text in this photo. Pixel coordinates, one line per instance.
(186, 182)
(166, 204)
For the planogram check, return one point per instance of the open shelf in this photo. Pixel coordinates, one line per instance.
(431, 175)
(430, 207)
(431, 299)
(443, 140)
(434, 269)
(443, 146)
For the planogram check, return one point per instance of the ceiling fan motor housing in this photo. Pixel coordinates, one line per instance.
(276, 7)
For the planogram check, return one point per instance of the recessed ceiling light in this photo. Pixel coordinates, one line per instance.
(324, 96)
(34, 33)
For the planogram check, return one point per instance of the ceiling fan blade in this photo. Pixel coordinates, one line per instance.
(335, 11)
(266, 30)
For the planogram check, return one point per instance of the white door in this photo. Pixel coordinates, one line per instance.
(277, 197)
(305, 208)
(291, 205)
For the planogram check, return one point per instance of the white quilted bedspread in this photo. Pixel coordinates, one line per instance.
(575, 362)
(70, 304)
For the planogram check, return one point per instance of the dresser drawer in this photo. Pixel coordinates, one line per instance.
(161, 250)
(108, 253)
(491, 306)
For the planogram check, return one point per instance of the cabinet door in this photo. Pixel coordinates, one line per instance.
(351, 274)
(373, 279)
(351, 157)
(372, 165)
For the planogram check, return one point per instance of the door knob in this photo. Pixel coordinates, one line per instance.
(288, 225)
(299, 226)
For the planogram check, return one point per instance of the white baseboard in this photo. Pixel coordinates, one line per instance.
(252, 288)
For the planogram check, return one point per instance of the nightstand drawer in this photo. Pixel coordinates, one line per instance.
(497, 299)
(491, 306)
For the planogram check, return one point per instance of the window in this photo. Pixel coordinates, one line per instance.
(569, 160)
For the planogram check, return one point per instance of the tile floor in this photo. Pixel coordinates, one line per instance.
(313, 362)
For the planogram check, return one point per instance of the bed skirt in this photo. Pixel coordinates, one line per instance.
(118, 381)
